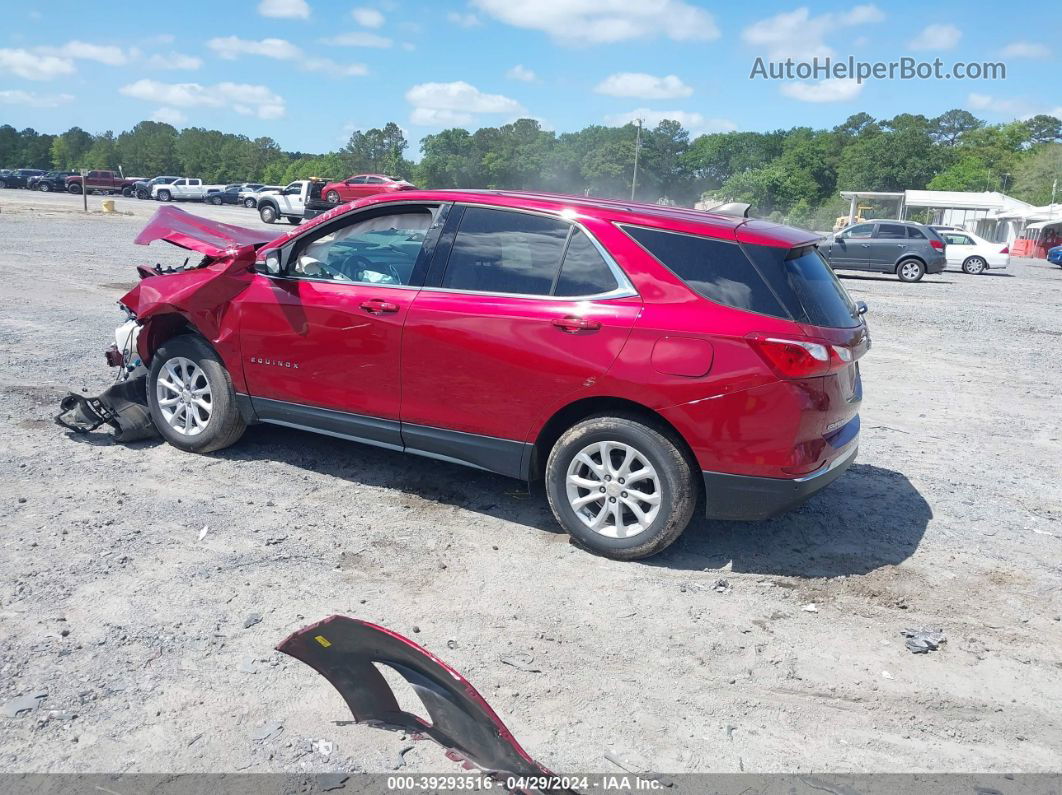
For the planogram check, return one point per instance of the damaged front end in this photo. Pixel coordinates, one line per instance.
(166, 301)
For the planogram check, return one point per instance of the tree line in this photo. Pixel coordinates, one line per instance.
(792, 175)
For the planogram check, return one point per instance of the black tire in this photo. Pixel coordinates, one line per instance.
(268, 214)
(249, 203)
(294, 220)
(678, 491)
(225, 425)
(164, 195)
(75, 188)
(44, 187)
(910, 270)
(127, 192)
(332, 197)
(215, 200)
(143, 194)
(974, 265)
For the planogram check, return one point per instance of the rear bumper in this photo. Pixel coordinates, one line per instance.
(749, 498)
(936, 265)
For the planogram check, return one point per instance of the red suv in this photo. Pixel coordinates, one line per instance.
(362, 185)
(632, 357)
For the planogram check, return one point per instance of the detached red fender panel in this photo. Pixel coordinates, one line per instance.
(194, 232)
(343, 650)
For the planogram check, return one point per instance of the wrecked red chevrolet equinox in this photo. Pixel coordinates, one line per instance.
(634, 359)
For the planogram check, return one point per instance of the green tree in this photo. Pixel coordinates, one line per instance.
(149, 149)
(1044, 129)
(103, 153)
(968, 174)
(1040, 174)
(69, 149)
(948, 128)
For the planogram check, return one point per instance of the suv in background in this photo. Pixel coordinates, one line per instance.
(630, 357)
(49, 181)
(19, 177)
(142, 188)
(905, 248)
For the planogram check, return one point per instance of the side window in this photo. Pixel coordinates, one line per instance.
(380, 250)
(177, 182)
(584, 271)
(498, 251)
(357, 181)
(857, 232)
(374, 181)
(891, 232)
(94, 175)
(914, 233)
(953, 239)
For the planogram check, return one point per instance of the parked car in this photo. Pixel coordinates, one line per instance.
(142, 188)
(230, 194)
(362, 185)
(631, 358)
(19, 177)
(1055, 255)
(249, 197)
(183, 189)
(292, 203)
(972, 253)
(905, 248)
(101, 181)
(49, 181)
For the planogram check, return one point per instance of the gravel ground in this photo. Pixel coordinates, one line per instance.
(115, 604)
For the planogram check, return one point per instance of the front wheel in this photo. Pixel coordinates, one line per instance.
(127, 192)
(621, 488)
(142, 194)
(294, 220)
(249, 203)
(164, 196)
(44, 187)
(910, 270)
(332, 197)
(267, 213)
(191, 398)
(975, 265)
(215, 200)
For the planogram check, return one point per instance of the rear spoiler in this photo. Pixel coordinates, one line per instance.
(739, 209)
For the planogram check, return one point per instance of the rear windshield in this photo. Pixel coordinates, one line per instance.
(795, 284)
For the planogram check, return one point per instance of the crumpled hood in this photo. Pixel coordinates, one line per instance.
(194, 232)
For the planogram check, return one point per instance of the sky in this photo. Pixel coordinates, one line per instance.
(309, 72)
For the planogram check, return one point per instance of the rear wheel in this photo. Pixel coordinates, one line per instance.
(127, 192)
(249, 203)
(294, 220)
(142, 194)
(44, 187)
(75, 188)
(621, 488)
(332, 197)
(191, 398)
(910, 270)
(268, 213)
(215, 200)
(975, 265)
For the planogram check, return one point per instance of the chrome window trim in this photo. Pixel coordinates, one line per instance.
(624, 288)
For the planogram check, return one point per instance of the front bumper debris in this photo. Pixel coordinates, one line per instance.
(123, 407)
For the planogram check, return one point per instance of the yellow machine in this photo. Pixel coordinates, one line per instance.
(842, 220)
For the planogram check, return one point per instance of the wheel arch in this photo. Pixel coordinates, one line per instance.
(907, 258)
(579, 410)
(160, 329)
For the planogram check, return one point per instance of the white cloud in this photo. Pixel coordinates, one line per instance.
(797, 34)
(174, 60)
(231, 47)
(284, 9)
(1012, 107)
(243, 98)
(464, 20)
(169, 116)
(333, 68)
(605, 21)
(694, 122)
(34, 100)
(830, 90)
(1026, 49)
(456, 103)
(643, 86)
(521, 73)
(368, 17)
(936, 37)
(33, 66)
(359, 39)
(83, 50)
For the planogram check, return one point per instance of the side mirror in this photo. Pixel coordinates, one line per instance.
(271, 266)
(861, 307)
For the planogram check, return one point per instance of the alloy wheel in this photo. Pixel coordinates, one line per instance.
(613, 489)
(974, 265)
(910, 270)
(184, 396)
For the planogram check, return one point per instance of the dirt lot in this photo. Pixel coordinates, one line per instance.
(134, 625)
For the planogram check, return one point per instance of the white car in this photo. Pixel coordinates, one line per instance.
(972, 253)
(183, 189)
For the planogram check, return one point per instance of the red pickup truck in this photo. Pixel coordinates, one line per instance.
(101, 182)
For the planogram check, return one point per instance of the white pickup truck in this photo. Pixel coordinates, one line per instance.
(184, 189)
(291, 201)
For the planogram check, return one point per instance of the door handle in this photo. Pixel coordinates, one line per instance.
(573, 324)
(866, 245)
(378, 306)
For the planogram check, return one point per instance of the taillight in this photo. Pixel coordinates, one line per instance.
(792, 358)
(937, 244)
(1005, 250)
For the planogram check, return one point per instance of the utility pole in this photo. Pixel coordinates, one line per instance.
(637, 149)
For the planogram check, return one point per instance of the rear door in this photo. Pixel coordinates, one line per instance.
(958, 246)
(321, 327)
(519, 311)
(889, 243)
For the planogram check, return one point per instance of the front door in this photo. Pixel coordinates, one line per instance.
(321, 334)
(520, 311)
(849, 248)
